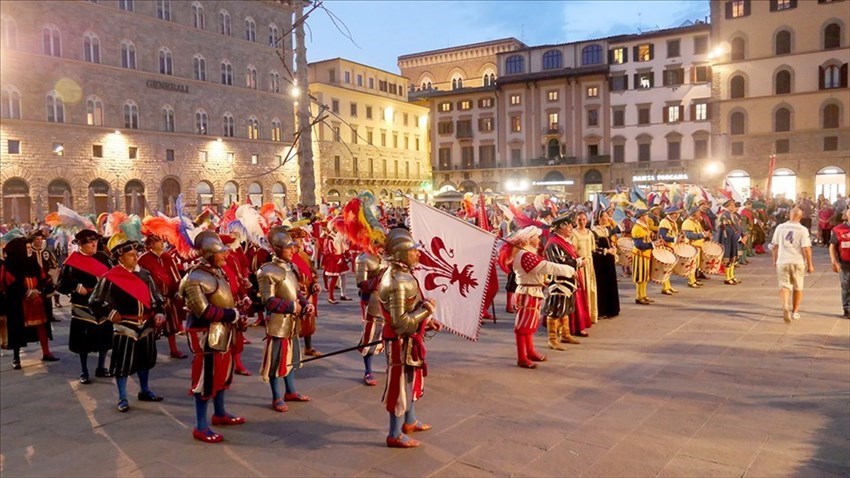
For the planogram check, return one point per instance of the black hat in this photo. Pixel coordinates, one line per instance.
(85, 236)
(564, 218)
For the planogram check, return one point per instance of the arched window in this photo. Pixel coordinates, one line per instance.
(552, 59)
(8, 32)
(51, 41)
(201, 122)
(251, 77)
(198, 15)
(98, 195)
(514, 64)
(276, 129)
(91, 47)
(134, 197)
(59, 191)
(250, 29)
(200, 68)
(782, 120)
(11, 103)
(204, 191)
(16, 201)
(168, 118)
(737, 49)
(253, 128)
(832, 36)
(128, 55)
(274, 82)
(591, 55)
(226, 73)
(274, 33)
(224, 23)
(489, 79)
(131, 115)
(737, 87)
(782, 42)
(94, 111)
(737, 123)
(782, 82)
(830, 116)
(228, 125)
(231, 193)
(833, 76)
(255, 193)
(55, 108)
(166, 62)
(169, 189)
(426, 84)
(457, 82)
(279, 195)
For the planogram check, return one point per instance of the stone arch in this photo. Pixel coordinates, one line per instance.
(134, 197)
(17, 200)
(59, 191)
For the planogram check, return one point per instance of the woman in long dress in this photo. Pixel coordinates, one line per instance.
(604, 263)
(585, 243)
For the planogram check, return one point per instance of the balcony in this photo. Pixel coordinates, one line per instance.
(553, 129)
(602, 159)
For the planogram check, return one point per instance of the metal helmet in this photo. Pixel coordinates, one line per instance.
(208, 243)
(399, 241)
(279, 237)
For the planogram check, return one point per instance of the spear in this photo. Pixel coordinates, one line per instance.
(349, 349)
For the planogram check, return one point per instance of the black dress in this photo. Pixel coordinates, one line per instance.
(607, 295)
(88, 333)
(19, 266)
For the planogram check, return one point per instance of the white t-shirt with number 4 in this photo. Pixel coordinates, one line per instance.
(790, 238)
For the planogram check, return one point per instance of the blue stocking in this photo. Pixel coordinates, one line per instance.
(201, 413)
(275, 388)
(410, 415)
(367, 362)
(218, 405)
(395, 425)
(101, 359)
(84, 364)
(122, 387)
(289, 382)
(143, 380)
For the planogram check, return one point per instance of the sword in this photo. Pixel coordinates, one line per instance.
(349, 349)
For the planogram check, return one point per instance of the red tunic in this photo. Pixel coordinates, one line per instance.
(166, 277)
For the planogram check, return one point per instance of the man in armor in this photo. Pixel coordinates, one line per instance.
(369, 267)
(210, 323)
(309, 282)
(89, 331)
(407, 317)
(561, 302)
(285, 306)
(128, 296)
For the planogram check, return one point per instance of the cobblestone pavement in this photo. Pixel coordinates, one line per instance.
(708, 382)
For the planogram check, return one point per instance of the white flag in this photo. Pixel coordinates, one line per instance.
(453, 268)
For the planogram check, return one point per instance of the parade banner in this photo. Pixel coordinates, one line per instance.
(453, 267)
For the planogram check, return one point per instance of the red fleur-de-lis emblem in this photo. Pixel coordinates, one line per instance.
(440, 273)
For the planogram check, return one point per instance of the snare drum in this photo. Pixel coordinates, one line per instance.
(662, 264)
(624, 251)
(686, 258)
(712, 257)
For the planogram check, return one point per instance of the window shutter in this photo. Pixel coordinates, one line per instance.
(821, 74)
(793, 4)
(625, 82)
(708, 73)
(843, 75)
(772, 5)
(651, 51)
(625, 55)
(693, 111)
(664, 77)
(746, 8)
(610, 83)
(693, 74)
(708, 111)
(637, 80)
(664, 114)
(610, 56)
(728, 9)
(635, 52)
(651, 79)
(681, 112)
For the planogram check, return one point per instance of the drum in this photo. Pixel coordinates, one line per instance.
(712, 256)
(624, 251)
(686, 258)
(662, 264)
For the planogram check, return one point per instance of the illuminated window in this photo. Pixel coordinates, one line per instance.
(94, 111)
(253, 128)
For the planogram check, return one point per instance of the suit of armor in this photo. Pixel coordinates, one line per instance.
(368, 270)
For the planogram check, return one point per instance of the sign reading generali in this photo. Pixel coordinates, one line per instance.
(166, 85)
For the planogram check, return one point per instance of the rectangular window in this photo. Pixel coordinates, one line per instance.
(552, 95)
(619, 153)
(674, 150)
(337, 165)
(516, 157)
(485, 103)
(371, 83)
(445, 127)
(464, 128)
(643, 115)
(445, 107)
(404, 118)
(255, 159)
(737, 8)
(553, 122)
(783, 146)
(700, 111)
(702, 73)
(231, 157)
(516, 99)
(619, 55)
(347, 76)
(619, 83)
(445, 158)
(337, 137)
(701, 45)
(332, 75)
(672, 114)
(485, 125)
(673, 47)
(278, 160)
(593, 117)
(644, 152)
(487, 156)
(700, 148)
(406, 142)
(395, 140)
(97, 151)
(202, 156)
(737, 148)
(593, 92)
(368, 112)
(369, 137)
(467, 156)
(354, 109)
(592, 150)
(643, 52)
(830, 143)
(133, 152)
(383, 139)
(353, 135)
(778, 5)
(335, 106)
(516, 123)
(674, 77)
(464, 105)
(619, 116)
(169, 155)
(417, 144)
(644, 80)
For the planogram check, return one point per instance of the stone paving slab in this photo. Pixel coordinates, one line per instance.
(708, 382)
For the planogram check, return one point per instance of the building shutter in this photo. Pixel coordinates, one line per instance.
(746, 8)
(728, 10)
(773, 5)
(821, 74)
(681, 112)
(843, 75)
(651, 51)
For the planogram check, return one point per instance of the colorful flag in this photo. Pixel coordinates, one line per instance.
(454, 267)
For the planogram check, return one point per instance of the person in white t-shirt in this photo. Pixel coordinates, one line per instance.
(792, 256)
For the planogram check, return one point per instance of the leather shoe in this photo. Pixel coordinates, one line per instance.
(280, 406)
(524, 364)
(667, 292)
(675, 291)
(123, 406)
(227, 420)
(569, 339)
(694, 285)
(583, 334)
(369, 380)
(84, 379)
(312, 352)
(207, 436)
(49, 358)
(102, 372)
(16, 365)
(149, 397)
(345, 298)
(415, 427)
(403, 441)
(295, 397)
(537, 358)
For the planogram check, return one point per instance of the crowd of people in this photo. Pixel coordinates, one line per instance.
(207, 279)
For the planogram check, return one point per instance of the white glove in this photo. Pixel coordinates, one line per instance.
(580, 262)
(81, 289)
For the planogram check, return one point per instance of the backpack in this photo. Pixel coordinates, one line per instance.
(842, 233)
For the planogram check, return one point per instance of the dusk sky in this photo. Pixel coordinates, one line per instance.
(383, 30)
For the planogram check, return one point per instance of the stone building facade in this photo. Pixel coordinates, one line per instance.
(780, 86)
(126, 104)
(372, 138)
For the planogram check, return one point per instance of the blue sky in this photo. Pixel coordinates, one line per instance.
(383, 30)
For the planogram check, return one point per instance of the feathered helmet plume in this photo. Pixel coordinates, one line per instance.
(178, 231)
(68, 220)
(359, 224)
(253, 224)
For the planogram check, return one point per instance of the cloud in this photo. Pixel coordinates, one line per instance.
(593, 19)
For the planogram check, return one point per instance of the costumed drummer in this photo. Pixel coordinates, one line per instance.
(407, 317)
(128, 296)
(668, 231)
(210, 323)
(641, 256)
(284, 305)
(695, 236)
